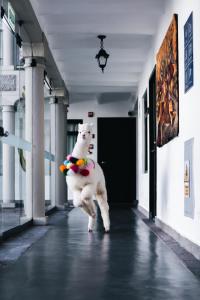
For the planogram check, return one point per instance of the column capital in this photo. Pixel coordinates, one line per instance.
(33, 50)
(33, 54)
(8, 108)
(56, 100)
(62, 95)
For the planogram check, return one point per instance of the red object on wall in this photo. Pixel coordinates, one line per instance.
(90, 114)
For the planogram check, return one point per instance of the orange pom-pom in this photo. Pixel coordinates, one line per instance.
(62, 168)
(80, 162)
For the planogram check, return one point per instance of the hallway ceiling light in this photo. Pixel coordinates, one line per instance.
(102, 56)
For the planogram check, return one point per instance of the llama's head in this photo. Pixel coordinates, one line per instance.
(84, 133)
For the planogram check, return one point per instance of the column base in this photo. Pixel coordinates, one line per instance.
(40, 221)
(8, 205)
(61, 207)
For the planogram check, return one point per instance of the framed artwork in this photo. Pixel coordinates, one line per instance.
(167, 86)
(188, 53)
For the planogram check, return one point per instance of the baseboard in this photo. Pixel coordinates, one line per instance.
(15, 230)
(188, 245)
(143, 211)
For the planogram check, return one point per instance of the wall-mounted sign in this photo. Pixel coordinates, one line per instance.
(189, 200)
(188, 53)
(11, 16)
(187, 179)
(90, 114)
(8, 83)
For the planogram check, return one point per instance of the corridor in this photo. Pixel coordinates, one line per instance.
(69, 263)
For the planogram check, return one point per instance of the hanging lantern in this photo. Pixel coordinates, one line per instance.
(102, 56)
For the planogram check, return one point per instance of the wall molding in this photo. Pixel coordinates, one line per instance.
(187, 244)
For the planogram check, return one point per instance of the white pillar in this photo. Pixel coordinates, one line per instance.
(53, 151)
(59, 149)
(34, 133)
(8, 115)
(7, 45)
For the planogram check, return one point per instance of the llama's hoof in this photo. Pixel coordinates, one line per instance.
(107, 230)
(90, 230)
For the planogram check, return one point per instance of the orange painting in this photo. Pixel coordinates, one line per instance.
(167, 90)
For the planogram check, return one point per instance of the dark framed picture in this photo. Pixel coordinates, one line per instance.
(188, 53)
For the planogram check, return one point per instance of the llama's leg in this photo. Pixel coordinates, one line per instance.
(101, 197)
(88, 205)
(91, 221)
(87, 208)
(77, 198)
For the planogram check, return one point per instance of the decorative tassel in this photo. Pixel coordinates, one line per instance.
(74, 168)
(84, 172)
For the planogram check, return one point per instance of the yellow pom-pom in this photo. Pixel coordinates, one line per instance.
(85, 161)
(80, 162)
(68, 166)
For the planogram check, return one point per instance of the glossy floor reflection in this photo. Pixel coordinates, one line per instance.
(69, 263)
(9, 218)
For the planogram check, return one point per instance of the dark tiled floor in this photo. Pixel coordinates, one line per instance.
(69, 263)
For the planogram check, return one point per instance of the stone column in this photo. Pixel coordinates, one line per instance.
(8, 156)
(8, 115)
(7, 45)
(53, 196)
(34, 133)
(59, 149)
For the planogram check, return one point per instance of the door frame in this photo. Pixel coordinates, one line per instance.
(152, 147)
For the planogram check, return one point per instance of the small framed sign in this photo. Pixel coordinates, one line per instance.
(187, 179)
(90, 114)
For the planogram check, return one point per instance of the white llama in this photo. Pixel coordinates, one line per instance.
(85, 179)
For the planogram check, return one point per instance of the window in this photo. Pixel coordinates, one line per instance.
(145, 133)
(1, 44)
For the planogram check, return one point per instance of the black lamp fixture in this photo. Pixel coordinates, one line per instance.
(102, 56)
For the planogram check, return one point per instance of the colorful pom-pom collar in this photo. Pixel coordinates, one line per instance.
(73, 165)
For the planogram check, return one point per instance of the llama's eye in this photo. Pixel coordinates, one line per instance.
(89, 132)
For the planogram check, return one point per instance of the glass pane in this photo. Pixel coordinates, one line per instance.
(12, 119)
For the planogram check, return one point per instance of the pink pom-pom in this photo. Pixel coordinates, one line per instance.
(68, 157)
(84, 172)
(74, 168)
(90, 166)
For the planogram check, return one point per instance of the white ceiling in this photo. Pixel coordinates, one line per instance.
(71, 28)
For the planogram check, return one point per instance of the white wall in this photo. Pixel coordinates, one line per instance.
(80, 111)
(170, 163)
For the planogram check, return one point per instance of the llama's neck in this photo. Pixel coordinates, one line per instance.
(80, 151)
